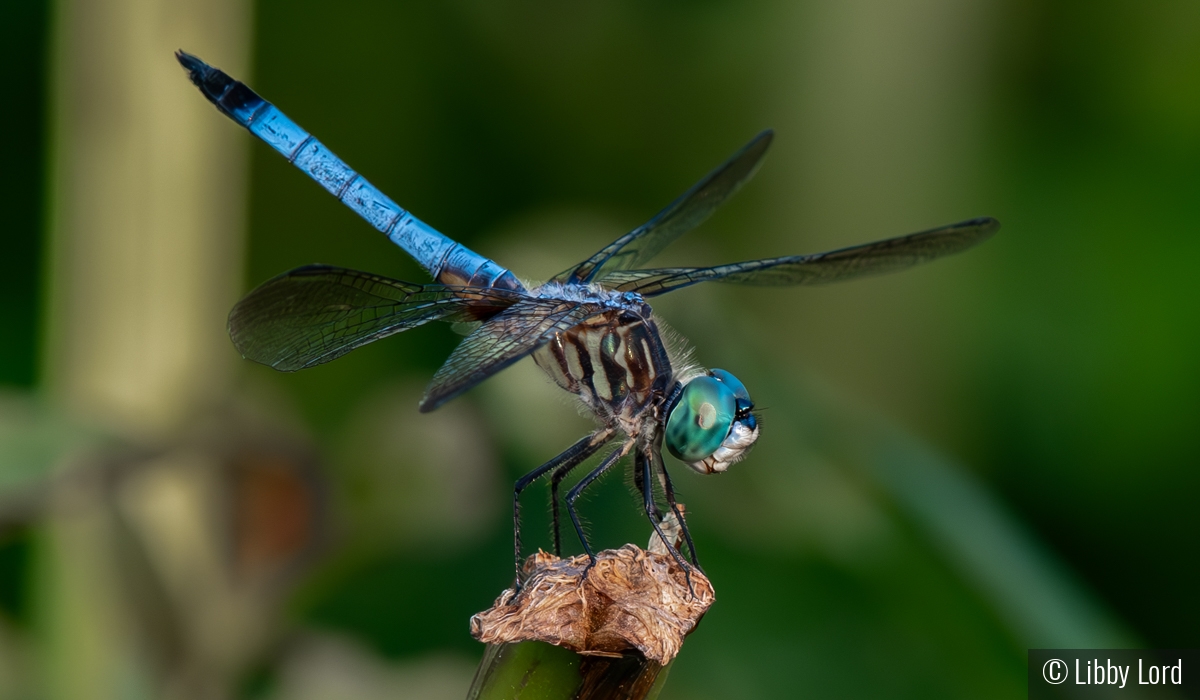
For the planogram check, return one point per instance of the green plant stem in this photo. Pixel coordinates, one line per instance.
(540, 671)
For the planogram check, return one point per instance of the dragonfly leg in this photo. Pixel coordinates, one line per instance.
(639, 479)
(586, 481)
(669, 491)
(569, 459)
(556, 479)
(652, 513)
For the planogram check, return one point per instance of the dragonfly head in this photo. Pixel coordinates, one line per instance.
(711, 424)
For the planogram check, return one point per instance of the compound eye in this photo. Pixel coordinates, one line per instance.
(739, 389)
(701, 419)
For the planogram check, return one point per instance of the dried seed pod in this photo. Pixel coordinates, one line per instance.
(631, 599)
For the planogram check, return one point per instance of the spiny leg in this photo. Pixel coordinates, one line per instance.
(573, 494)
(669, 492)
(556, 479)
(651, 513)
(570, 458)
(639, 479)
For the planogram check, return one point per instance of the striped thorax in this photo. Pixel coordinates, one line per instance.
(615, 362)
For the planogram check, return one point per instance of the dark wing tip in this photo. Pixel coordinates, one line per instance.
(984, 228)
(437, 396)
(432, 401)
(240, 325)
(235, 327)
(985, 223)
(759, 144)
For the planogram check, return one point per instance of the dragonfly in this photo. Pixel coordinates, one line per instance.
(590, 327)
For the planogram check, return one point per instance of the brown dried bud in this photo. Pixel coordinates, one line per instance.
(631, 599)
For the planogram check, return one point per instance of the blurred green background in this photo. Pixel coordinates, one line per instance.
(958, 463)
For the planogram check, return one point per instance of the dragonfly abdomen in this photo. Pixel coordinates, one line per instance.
(448, 262)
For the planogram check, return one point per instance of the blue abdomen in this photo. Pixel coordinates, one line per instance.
(447, 261)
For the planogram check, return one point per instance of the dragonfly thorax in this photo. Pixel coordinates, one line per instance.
(594, 294)
(615, 362)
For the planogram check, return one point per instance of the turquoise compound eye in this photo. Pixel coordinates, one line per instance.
(739, 389)
(701, 419)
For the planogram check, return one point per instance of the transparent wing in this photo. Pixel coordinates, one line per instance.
(501, 341)
(684, 214)
(819, 268)
(317, 313)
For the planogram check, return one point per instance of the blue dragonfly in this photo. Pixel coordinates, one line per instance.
(590, 327)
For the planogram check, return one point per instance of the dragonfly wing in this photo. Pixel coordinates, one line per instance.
(317, 313)
(684, 214)
(819, 268)
(501, 341)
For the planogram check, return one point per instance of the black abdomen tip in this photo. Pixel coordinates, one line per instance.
(197, 69)
(212, 81)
